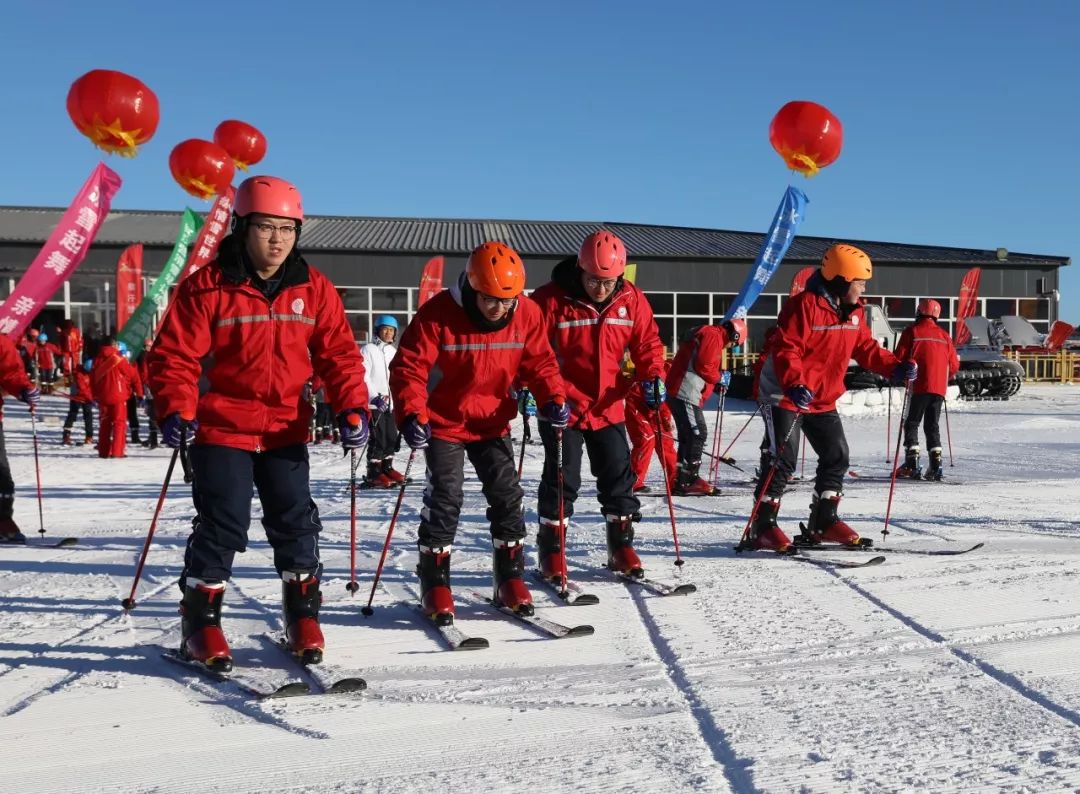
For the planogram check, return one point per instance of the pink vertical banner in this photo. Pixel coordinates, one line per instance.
(62, 253)
(214, 229)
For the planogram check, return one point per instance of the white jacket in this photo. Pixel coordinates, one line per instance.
(377, 357)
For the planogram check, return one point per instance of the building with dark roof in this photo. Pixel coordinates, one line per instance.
(690, 275)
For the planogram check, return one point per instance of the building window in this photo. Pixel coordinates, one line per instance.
(997, 308)
(389, 300)
(1034, 309)
(354, 298)
(721, 302)
(684, 325)
(666, 327)
(899, 308)
(693, 303)
(661, 302)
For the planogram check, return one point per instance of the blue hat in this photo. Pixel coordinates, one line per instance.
(385, 319)
(122, 347)
(43, 337)
(88, 364)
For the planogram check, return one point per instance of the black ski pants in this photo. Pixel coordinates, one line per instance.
(692, 428)
(925, 408)
(493, 461)
(382, 443)
(87, 414)
(225, 479)
(7, 485)
(609, 461)
(824, 431)
(133, 417)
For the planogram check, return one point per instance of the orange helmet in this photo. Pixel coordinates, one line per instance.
(929, 307)
(602, 255)
(846, 261)
(268, 195)
(495, 269)
(737, 331)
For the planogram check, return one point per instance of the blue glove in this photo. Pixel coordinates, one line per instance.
(30, 396)
(528, 403)
(800, 396)
(381, 403)
(174, 428)
(353, 427)
(558, 414)
(416, 433)
(904, 371)
(654, 391)
(725, 379)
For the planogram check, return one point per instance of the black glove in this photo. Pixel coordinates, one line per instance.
(800, 396)
(416, 433)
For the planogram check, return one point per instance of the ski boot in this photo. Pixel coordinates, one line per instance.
(687, 482)
(765, 533)
(66, 440)
(550, 554)
(375, 477)
(393, 475)
(434, 572)
(318, 439)
(508, 567)
(89, 441)
(200, 625)
(300, 601)
(620, 543)
(151, 441)
(825, 527)
(135, 437)
(910, 469)
(9, 532)
(643, 488)
(934, 471)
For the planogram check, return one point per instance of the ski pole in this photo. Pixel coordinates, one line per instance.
(37, 471)
(679, 561)
(714, 471)
(521, 454)
(802, 468)
(564, 593)
(749, 419)
(888, 428)
(354, 461)
(768, 480)
(715, 443)
(948, 432)
(367, 610)
(129, 602)
(896, 459)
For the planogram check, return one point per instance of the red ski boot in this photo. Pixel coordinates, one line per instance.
(508, 567)
(200, 625)
(375, 477)
(300, 601)
(765, 533)
(434, 572)
(620, 543)
(825, 526)
(550, 554)
(393, 475)
(687, 482)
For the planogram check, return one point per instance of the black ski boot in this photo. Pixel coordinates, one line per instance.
(620, 543)
(824, 525)
(934, 472)
(548, 551)
(765, 533)
(300, 601)
(200, 625)
(911, 469)
(434, 572)
(151, 441)
(508, 568)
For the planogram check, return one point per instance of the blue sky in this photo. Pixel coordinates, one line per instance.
(961, 118)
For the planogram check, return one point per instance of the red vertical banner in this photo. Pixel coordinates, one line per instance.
(214, 229)
(969, 299)
(430, 280)
(129, 286)
(798, 284)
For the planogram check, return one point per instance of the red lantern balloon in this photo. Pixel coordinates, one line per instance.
(201, 168)
(807, 135)
(245, 144)
(114, 110)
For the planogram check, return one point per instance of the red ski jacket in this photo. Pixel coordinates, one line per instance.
(589, 342)
(81, 389)
(696, 368)
(813, 345)
(113, 379)
(13, 375)
(932, 349)
(46, 355)
(462, 377)
(260, 353)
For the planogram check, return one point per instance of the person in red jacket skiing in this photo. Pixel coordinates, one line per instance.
(45, 354)
(932, 349)
(81, 394)
(14, 381)
(695, 372)
(452, 382)
(113, 381)
(592, 317)
(818, 332)
(265, 319)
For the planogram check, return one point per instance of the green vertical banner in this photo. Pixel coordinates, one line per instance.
(137, 328)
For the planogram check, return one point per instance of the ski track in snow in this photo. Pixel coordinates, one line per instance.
(948, 674)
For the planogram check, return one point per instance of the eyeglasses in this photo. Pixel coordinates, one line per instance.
(266, 230)
(491, 302)
(598, 283)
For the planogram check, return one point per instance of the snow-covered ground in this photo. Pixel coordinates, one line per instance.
(924, 673)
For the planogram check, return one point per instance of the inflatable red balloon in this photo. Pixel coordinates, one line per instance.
(117, 112)
(245, 144)
(201, 168)
(807, 135)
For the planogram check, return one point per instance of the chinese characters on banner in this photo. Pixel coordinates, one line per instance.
(214, 229)
(62, 253)
(128, 283)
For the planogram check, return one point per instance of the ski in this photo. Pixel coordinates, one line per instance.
(247, 681)
(657, 587)
(63, 543)
(895, 549)
(831, 563)
(548, 627)
(888, 478)
(455, 638)
(582, 599)
(332, 679)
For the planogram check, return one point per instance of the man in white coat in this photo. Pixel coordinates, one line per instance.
(378, 353)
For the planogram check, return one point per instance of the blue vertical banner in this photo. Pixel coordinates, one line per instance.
(786, 222)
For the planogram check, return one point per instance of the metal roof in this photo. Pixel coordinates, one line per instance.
(530, 238)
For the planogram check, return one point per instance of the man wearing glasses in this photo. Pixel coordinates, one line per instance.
(452, 381)
(264, 320)
(592, 317)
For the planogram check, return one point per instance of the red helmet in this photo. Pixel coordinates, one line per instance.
(603, 255)
(928, 307)
(495, 269)
(737, 331)
(268, 195)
